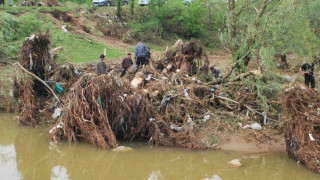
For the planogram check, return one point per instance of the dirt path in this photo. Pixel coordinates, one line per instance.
(81, 30)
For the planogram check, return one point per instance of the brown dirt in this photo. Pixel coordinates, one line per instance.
(250, 140)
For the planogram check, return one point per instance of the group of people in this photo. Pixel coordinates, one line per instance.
(142, 56)
(10, 2)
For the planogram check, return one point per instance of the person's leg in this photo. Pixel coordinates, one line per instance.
(138, 62)
(122, 73)
(306, 80)
(313, 82)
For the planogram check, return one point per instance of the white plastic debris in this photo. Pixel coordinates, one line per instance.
(206, 118)
(31, 38)
(31, 61)
(256, 126)
(175, 127)
(151, 119)
(58, 126)
(190, 122)
(311, 137)
(57, 113)
(185, 92)
(11, 93)
(194, 79)
(214, 177)
(235, 162)
(77, 72)
(122, 148)
(57, 49)
(148, 78)
(64, 28)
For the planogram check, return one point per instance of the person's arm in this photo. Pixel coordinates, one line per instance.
(122, 63)
(135, 52)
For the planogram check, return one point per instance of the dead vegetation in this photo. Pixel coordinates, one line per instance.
(302, 125)
(102, 111)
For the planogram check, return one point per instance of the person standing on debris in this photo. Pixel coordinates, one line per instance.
(10, 2)
(126, 63)
(307, 71)
(216, 72)
(140, 54)
(101, 66)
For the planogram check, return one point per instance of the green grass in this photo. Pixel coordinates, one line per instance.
(7, 102)
(76, 48)
(79, 50)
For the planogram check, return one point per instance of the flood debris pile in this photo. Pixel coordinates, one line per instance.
(302, 125)
(102, 111)
(26, 102)
(37, 74)
(48, 3)
(187, 57)
(36, 58)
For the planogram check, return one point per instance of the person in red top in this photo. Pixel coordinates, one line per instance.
(126, 63)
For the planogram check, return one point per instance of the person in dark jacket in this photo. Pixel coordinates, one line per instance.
(307, 71)
(126, 63)
(140, 54)
(101, 66)
(2, 2)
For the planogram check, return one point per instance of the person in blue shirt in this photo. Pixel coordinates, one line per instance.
(140, 53)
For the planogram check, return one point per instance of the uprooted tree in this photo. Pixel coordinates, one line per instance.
(302, 125)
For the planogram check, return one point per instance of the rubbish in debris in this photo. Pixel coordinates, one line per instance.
(256, 126)
(190, 122)
(311, 137)
(206, 118)
(148, 78)
(214, 177)
(300, 124)
(175, 127)
(57, 49)
(138, 79)
(122, 149)
(57, 113)
(151, 119)
(64, 28)
(185, 92)
(59, 88)
(235, 162)
(165, 100)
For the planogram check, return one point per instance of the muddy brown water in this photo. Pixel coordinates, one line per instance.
(26, 153)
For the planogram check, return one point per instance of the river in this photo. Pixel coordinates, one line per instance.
(26, 153)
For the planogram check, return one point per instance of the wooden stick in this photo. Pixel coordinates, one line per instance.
(33, 75)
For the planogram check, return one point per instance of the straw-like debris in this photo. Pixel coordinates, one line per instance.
(102, 111)
(302, 125)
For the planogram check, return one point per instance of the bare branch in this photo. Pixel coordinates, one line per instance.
(246, 5)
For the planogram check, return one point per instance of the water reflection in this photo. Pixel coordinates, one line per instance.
(26, 153)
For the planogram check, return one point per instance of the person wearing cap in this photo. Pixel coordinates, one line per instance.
(101, 66)
(140, 54)
(126, 63)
